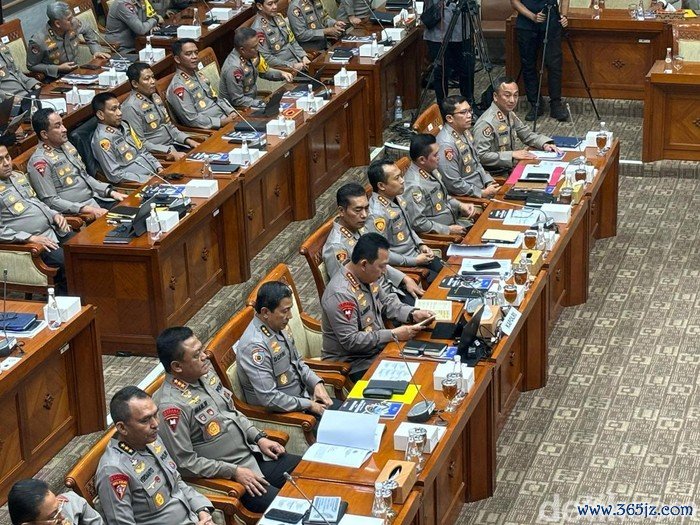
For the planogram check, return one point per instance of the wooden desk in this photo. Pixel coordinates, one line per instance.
(462, 467)
(141, 288)
(671, 113)
(359, 498)
(396, 72)
(56, 392)
(615, 53)
(283, 184)
(220, 38)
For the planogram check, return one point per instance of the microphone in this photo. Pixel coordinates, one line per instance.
(387, 41)
(110, 46)
(327, 92)
(289, 478)
(8, 344)
(185, 200)
(573, 123)
(421, 411)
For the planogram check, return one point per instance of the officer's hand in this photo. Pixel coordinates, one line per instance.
(254, 484)
(176, 155)
(192, 143)
(47, 243)
(425, 258)
(405, 332)
(101, 54)
(467, 209)
(306, 61)
(354, 20)
(340, 25)
(457, 229)
(424, 248)
(270, 448)
(422, 315)
(415, 289)
(117, 195)
(298, 66)
(287, 76)
(523, 154)
(61, 222)
(66, 67)
(205, 518)
(160, 19)
(552, 147)
(95, 210)
(321, 395)
(540, 17)
(490, 190)
(564, 21)
(227, 119)
(333, 32)
(317, 408)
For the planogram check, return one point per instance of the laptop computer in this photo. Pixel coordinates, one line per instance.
(272, 108)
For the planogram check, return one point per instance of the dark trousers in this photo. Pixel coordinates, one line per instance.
(459, 57)
(56, 259)
(433, 270)
(274, 473)
(529, 44)
(106, 204)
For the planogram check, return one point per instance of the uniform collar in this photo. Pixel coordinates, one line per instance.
(264, 329)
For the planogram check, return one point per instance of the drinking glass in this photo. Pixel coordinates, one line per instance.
(530, 239)
(601, 140)
(566, 195)
(632, 9)
(449, 390)
(420, 437)
(520, 274)
(678, 62)
(510, 293)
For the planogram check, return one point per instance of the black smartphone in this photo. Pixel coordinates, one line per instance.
(60, 90)
(284, 516)
(487, 266)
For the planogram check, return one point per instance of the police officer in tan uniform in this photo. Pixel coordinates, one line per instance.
(498, 127)
(31, 501)
(193, 99)
(14, 83)
(430, 207)
(145, 112)
(388, 217)
(312, 25)
(53, 50)
(128, 19)
(276, 39)
(116, 146)
(136, 479)
(241, 69)
(58, 174)
(205, 433)
(354, 307)
(353, 209)
(270, 370)
(463, 174)
(354, 11)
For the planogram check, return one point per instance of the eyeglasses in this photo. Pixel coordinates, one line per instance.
(464, 112)
(55, 519)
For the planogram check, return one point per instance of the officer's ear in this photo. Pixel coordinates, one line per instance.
(121, 427)
(176, 366)
(265, 312)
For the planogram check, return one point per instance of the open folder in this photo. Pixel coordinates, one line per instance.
(336, 446)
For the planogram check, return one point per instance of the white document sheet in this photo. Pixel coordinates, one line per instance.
(336, 446)
(478, 250)
(392, 370)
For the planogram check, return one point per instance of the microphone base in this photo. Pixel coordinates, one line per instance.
(7, 345)
(421, 412)
(387, 43)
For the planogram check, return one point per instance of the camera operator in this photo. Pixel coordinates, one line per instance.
(531, 25)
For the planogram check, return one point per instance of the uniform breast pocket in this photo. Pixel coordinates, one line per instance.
(156, 491)
(126, 153)
(15, 206)
(209, 423)
(280, 368)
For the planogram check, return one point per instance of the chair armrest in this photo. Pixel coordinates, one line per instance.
(75, 222)
(442, 246)
(233, 510)
(305, 421)
(278, 436)
(34, 248)
(437, 237)
(328, 366)
(311, 322)
(337, 381)
(229, 487)
(201, 131)
(476, 201)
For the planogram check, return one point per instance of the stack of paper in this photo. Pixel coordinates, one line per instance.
(442, 309)
(477, 250)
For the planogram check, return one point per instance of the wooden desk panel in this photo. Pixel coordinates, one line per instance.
(615, 53)
(141, 288)
(56, 392)
(671, 113)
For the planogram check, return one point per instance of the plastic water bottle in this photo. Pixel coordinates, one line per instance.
(378, 505)
(461, 394)
(282, 125)
(668, 61)
(195, 16)
(640, 10)
(245, 154)
(154, 231)
(343, 77)
(149, 50)
(398, 109)
(53, 315)
(207, 174)
(311, 99)
(75, 95)
(113, 79)
(32, 107)
(375, 46)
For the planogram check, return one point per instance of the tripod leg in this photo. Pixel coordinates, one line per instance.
(580, 72)
(539, 83)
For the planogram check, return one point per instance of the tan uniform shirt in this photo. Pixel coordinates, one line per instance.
(125, 21)
(22, 214)
(238, 83)
(121, 155)
(77, 511)
(47, 50)
(277, 42)
(308, 19)
(195, 102)
(12, 81)
(150, 121)
(390, 219)
(459, 164)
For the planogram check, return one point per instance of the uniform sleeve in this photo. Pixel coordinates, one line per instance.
(308, 376)
(89, 37)
(35, 61)
(106, 159)
(88, 515)
(414, 211)
(349, 6)
(393, 308)
(116, 510)
(262, 378)
(394, 276)
(298, 24)
(186, 111)
(45, 190)
(103, 189)
(132, 21)
(196, 500)
(455, 206)
(272, 74)
(529, 137)
(179, 445)
(341, 310)
(484, 136)
(296, 47)
(333, 256)
(452, 176)
(136, 123)
(237, 97)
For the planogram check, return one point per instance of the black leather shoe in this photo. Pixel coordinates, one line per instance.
(531, 114)
(558, 111)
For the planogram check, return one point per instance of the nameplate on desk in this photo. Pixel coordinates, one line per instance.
(510, 321)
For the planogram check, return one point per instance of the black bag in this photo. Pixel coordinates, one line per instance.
(431, 15)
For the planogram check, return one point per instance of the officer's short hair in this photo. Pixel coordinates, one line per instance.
(368, 246)
(503, 79)
(420, 145)
(270, 295)
(133, 73)
(169, 344)
(25, 498)
(449, 104)
(376, 173)
(100, 101)
(57, 11)
(119, 405)
(40, 120)
(259, 1)
(179, 44)
(242, 35)
(348, 191)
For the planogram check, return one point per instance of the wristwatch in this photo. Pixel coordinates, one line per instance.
(260, 435)
(410, 316)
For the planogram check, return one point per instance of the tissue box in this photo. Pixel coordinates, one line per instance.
(295, 114)
(274, 127)
(443, 369)
(201, 188)
(559, 212)
(406, 479)
(189, 32)
(221, 14)
(350, 78)
(236, 156)
(489, 320)
(105, 78)
(158, 54)
(366, 50)
(67, 307)
(401, 436)
(393, 33)
(305, 104)
(535, 260)
(85, 96)
(168, 220)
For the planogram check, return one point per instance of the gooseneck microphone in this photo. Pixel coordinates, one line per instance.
(289, 478)
(8, 344)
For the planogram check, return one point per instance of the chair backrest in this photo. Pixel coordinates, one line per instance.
(162, 89)
(20, 161)
(686, 41)
(211, 68)
(12, 30)
(282, 7)
(81, 138)
(308, 344)
(249, 22)
(83, 10)
(81, 478)
(223, 352)
(106, 4)
(403, 164)
(430, 121)
(312, 250)
(331, 6)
